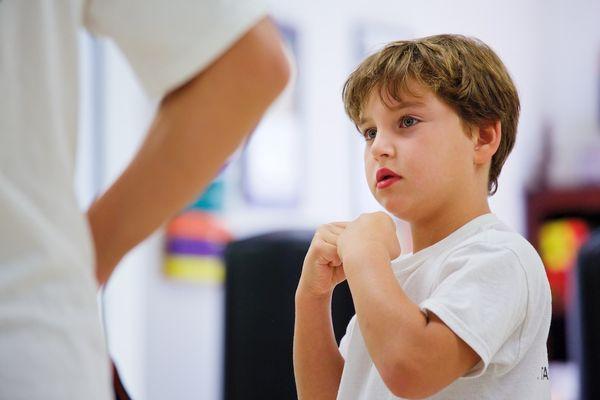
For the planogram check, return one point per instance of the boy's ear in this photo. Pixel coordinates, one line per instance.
(486, 141)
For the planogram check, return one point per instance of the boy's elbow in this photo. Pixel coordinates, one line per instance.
(406, 379)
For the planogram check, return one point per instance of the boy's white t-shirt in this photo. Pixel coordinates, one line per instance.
(488, 285)
(51, 343)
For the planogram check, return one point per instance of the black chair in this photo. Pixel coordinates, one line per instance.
(588, 282)
(261, 279)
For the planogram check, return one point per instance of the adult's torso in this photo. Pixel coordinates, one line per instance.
(49, 325)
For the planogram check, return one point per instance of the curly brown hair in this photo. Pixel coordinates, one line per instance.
(462, 71)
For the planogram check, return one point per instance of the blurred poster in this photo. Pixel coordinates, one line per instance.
(274, 157)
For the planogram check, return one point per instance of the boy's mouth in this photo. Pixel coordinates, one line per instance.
(386, 177)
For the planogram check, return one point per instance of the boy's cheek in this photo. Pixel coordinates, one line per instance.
(370, 170)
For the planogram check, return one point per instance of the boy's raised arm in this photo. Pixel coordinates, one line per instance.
(318, 363)
(416, 355)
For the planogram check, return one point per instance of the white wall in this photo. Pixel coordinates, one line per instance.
(571, 90)
(113, 113)
(126, 115)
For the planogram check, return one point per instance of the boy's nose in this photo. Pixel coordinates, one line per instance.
(382, 147)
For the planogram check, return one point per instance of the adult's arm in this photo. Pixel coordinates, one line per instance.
(197, 126)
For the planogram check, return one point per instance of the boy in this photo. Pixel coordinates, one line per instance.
(466, 315)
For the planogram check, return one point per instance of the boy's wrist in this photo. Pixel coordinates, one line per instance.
(306, 296)
(369, 252)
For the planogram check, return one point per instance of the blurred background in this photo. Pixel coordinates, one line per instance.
(165, 308)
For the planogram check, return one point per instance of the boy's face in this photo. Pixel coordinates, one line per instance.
(418, 158)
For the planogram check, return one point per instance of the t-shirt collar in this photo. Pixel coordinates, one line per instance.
(459, 234)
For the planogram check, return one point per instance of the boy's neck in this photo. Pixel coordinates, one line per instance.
(428, 232)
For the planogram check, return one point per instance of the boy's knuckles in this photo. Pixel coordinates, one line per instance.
(324, 228)
(319, 246)
(322, 247)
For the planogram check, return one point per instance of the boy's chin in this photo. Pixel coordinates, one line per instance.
(396, 208)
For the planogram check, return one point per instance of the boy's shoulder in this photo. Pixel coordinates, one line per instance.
(498, 244)
(499, 236)
(483, 247)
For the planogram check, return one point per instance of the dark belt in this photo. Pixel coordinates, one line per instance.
(120, 392)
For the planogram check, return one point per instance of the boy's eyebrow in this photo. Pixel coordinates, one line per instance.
(405, 104)
(399, 106)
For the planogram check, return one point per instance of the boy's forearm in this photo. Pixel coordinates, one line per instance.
(318, 363)
(196, 128)
(392, 326)
(415, 355)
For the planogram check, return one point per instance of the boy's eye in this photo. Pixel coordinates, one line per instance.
(370, 134)
(407, 122)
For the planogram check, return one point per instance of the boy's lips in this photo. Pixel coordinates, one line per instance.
(386, 177)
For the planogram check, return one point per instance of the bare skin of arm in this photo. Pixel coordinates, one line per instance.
(318, 363)
(196, 128)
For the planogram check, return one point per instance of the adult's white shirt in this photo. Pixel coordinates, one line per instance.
(51, 344)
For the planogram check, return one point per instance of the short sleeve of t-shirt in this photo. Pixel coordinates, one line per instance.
(168, 42)
(481, 296)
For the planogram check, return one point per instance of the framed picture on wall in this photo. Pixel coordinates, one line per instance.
(273, 159)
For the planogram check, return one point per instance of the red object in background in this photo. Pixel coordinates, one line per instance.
(559, 243)
(544, 204)
(194, 224)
